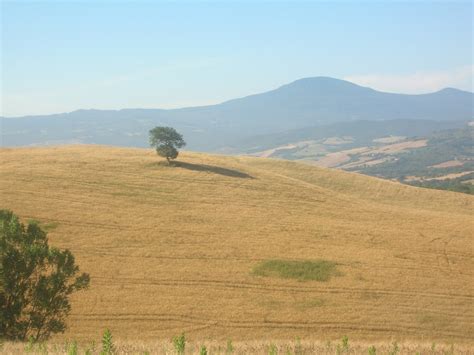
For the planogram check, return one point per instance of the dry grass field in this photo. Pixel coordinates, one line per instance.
(172, 249)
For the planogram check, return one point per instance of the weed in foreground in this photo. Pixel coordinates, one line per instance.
(229, 347)
(298, 347)
(30, 345)
(395, 348)
(179, 343)
(203, 350)
(272, 350)
(345, 343)
(372, 350)
(108, 347)
(42, 349)
(72, 350)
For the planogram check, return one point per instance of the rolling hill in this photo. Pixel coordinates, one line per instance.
(303, 103)
(177, 248)
(417, 152)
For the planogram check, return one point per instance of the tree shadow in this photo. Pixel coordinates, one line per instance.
(212, 169)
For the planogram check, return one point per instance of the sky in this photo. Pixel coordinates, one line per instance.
(60, 56)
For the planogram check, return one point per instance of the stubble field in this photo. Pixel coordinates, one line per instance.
(172, 249)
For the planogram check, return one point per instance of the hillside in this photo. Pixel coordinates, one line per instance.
(172, 249)
(302, 103)
(423, 153)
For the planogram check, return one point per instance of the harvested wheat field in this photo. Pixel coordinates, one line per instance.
(211, 247)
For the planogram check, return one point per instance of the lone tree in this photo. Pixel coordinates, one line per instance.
(35, 281)
(166, 142)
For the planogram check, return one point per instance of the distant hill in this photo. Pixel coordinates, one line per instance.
(305, 102)
(362, 132)
(423, 153)
(172, 249)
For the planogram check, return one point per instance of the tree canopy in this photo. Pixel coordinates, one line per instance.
(35, 281)
(166, 141)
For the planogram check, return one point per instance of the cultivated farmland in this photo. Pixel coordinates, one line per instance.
(181, 248)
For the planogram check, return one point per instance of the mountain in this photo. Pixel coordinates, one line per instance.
(173, 248)
(305, 102)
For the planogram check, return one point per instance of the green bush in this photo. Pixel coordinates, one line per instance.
(203, 350)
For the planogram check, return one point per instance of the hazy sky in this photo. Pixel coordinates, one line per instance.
(61, 56)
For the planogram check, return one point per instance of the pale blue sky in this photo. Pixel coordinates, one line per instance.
(60, 56)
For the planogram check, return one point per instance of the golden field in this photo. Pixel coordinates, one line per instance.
(172, 248)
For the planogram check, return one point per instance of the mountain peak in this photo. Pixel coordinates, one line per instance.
(321, 80)
(324, 83)
(451, 90)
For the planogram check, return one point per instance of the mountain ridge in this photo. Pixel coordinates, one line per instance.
(302, 103)
(297, 81)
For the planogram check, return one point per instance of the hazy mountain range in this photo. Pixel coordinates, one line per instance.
(304, 103)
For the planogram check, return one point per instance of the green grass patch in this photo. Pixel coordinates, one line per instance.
(49, 226)
(315, 270)
(310, 303)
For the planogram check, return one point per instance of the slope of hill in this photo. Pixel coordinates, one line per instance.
(445, 161)
(417, 152)
(172, 249)
(305, 102)
(358, 134)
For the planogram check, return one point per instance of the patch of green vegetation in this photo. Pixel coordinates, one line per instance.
(433, 321)
(455, 185)
(50, 226)
(317, 270)
(311, 303)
